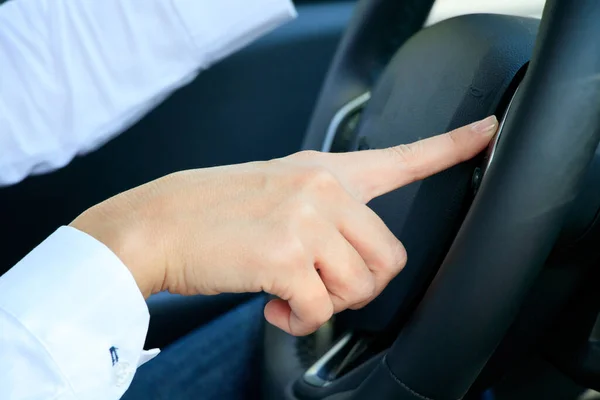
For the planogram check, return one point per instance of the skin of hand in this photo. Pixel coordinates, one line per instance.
(297, 227)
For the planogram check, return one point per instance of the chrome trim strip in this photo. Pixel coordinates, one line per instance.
(339, 116)
(494, 145)
(311, 375)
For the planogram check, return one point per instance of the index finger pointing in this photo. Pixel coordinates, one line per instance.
(371, 173)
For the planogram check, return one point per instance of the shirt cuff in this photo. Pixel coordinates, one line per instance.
(219, 28)
(81, 303)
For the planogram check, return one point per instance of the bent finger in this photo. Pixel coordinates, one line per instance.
(308, 307)
(343, 271)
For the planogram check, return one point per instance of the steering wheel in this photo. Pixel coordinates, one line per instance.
(500, 247)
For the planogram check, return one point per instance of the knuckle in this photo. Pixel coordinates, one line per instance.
(294, 252)
(321, 315)
(307, 155)
(457, 142)
(407, 153)
(319, 308)
(302, 211)
(318, 180)
(365, 292)
(355, 289)
(399, 257)
(364, 289)
(394, 260)
(288, 253)
(453, 138)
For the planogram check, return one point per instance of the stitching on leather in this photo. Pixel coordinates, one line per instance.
(404, 385)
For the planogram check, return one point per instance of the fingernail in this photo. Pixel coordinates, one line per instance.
(485, 126)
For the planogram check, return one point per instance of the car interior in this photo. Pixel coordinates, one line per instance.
(500, 295)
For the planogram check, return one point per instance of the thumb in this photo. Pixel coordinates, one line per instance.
(371, 173)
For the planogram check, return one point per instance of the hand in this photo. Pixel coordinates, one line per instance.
(295, 227)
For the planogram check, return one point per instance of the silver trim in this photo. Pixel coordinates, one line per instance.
(339, 116)
(494, 145)
(311, 375)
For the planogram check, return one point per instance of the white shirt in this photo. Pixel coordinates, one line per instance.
(74, 74)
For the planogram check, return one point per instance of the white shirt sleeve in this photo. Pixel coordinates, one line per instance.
(74, 74)
(72, 322)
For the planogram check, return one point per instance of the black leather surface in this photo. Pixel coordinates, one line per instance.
(383, 384)
(517, 215)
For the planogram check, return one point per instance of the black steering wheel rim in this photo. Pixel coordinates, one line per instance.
(547, 143)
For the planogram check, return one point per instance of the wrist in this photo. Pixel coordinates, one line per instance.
(125, 235)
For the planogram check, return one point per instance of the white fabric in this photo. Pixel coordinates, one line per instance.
(73, 74)
(62, 308)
